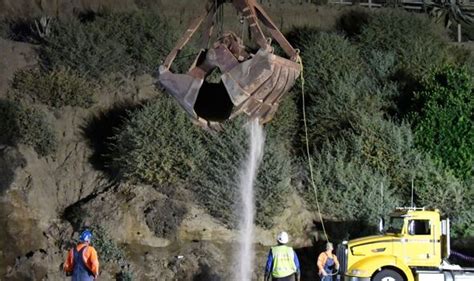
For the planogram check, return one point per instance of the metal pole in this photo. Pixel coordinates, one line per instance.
(459, 33)
(381, 198)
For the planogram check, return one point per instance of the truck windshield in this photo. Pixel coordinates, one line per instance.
(395, 225)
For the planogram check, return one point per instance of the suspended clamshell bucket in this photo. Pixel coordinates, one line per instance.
(254, 87)
(250, 83)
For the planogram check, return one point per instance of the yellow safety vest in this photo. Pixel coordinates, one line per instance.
(283, 261)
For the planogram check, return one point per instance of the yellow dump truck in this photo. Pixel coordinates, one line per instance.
(414, 246)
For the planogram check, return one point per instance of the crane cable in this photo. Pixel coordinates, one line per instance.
(219, 17)
(310, 164)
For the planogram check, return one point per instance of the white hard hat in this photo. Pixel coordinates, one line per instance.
(282, 237)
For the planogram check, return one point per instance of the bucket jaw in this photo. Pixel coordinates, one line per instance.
(183, 87)
(257, 85)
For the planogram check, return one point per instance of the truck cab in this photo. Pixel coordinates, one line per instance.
(413, 239)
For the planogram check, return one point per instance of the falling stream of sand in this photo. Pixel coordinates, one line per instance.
(245, 253)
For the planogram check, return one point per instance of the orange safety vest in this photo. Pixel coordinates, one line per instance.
(89, 257)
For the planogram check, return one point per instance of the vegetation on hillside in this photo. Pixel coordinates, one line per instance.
(159, 145)
(417, 43)
(57, 88)
(24, 124)
(104, 43)
(363, 144)
(388, 100)
(443, 118)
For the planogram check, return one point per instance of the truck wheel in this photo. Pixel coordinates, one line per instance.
(387, 275)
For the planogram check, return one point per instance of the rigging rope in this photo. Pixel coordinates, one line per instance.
(310, 164)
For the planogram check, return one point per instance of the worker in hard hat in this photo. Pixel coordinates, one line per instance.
(282, 261)
(327, 262)
(82, 263)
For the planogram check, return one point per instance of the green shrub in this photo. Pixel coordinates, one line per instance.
(338, 109)
(437, 187)
(462, 57)
(417, 42)
(351, 22)
(21, 124)
(284, 126)
(357, 162)
(145, 36)
(387, 148)
(57, 88)
(107, 249)
(110, 43)
(159, 145)
(273, 183)
(356, 149)
(355, 146)
(340, 85)
(218, 189)
(125, 275)
(463, 224)
(351, 166)
(347, 188)
(84, 48)
(350, 170)
(443, 119)
(327, 58)
(380, 64)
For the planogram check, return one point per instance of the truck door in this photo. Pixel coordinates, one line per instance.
(420, 244)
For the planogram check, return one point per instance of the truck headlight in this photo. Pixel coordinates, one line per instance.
(357, 272)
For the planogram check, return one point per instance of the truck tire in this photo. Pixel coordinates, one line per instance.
(387, 275)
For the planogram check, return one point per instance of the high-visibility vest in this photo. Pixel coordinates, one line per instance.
(283, 261)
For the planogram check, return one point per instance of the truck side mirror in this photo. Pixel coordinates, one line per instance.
(381, 224)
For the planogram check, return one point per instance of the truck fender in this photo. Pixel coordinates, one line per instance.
(371, 265)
